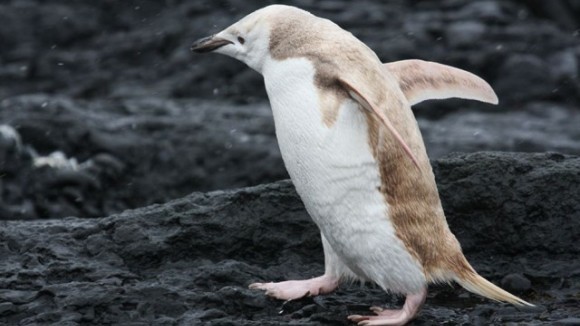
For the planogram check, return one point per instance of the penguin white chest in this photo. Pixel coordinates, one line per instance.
(325, 162)
(337, 177)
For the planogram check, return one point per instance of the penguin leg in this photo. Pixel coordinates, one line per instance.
(386, 317)
(335, 270)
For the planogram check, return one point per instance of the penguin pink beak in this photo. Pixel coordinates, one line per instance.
(208, 44)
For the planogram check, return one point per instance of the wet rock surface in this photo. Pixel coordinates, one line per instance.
(189, 261)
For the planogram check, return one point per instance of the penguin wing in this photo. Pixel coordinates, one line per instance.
(423, 80)
(364, 102)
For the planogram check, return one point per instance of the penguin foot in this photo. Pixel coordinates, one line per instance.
(291, 290)
(388, 317)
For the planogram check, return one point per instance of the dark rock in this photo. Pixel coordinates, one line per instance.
(148, 122)
(129, 153)
(528, 177)
(190, 260)
(134, 152)
(564, 65)
(564, 12)
(516, 283)
(490, 11)
(110, 49)
(17, 297)
(6, 307)
(464, 33)
(524, 77)
(568, 321)
(538, 127)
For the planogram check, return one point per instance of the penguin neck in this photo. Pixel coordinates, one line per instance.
(290, 87)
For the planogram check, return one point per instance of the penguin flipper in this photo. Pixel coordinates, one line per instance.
(365, 103)
(423, 80)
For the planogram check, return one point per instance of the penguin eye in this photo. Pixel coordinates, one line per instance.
(241, 40)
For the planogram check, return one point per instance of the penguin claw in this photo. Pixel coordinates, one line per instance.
(283, 290)
(256, 286)
(260, 286)
(376, 320)
(356, 318)
(376, 309)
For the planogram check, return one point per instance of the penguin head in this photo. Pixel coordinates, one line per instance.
(248, 40)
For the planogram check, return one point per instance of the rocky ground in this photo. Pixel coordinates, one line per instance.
(103, 109)
(189, 261)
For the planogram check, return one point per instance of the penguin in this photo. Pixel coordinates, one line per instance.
(355, 154)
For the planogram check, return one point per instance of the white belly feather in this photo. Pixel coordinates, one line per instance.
(337, 178)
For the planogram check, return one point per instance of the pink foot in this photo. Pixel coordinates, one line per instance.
(385, 317)
(291, 290)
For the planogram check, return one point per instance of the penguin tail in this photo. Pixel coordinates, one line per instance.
(473, 282)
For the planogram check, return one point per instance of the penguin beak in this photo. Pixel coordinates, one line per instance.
(208, 44)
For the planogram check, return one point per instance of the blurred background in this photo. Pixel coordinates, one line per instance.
(104, 108)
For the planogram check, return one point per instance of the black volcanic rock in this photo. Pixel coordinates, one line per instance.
(136, 152)
(95, 49)
(516, 283)
(189, 261)
(113, 85)
(537, 127)
(131, 153)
